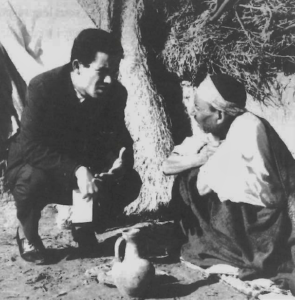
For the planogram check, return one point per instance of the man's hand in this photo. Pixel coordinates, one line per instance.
(117, 170)
(207, 151)
(176, 164)
(86, 183)
(118, 165)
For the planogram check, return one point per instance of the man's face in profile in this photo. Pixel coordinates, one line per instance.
(205, 115)
(96, 78)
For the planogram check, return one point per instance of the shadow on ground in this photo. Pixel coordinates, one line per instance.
(170, 287)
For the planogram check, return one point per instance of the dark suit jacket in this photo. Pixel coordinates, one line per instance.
(58, 133)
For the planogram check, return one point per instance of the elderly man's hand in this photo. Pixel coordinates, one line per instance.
(86, 183)
(207, 151)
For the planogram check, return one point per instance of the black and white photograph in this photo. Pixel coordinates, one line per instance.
(147, 149)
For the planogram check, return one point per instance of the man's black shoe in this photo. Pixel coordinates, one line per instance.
(31, 252)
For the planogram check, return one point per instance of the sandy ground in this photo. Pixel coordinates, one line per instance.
(67, 278)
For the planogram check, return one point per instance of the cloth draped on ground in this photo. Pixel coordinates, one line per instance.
(256, 238)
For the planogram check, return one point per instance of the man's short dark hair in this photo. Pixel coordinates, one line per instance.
(92, 40)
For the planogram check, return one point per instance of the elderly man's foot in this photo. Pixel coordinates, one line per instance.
(32, 252)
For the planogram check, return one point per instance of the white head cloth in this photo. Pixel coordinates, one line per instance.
(208, 92)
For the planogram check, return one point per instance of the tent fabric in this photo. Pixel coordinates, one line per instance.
(38, 34)
(12, 94)
(35, 36)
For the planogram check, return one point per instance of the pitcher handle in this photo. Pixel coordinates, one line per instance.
(117, 246)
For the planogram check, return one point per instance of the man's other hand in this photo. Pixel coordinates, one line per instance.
(86, 183)
(116, 172)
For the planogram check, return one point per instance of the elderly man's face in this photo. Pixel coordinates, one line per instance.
(205, 115)
(96, 78)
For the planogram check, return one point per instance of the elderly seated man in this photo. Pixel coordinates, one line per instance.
(234, 192)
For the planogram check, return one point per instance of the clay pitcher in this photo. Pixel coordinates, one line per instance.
(134, 274)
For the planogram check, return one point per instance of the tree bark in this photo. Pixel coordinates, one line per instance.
(146, 117)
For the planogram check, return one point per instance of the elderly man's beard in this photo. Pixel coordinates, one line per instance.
(207, 128)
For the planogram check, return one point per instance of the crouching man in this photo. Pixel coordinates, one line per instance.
(234, 191)
(73, 136)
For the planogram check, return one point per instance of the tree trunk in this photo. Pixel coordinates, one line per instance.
(146, 118)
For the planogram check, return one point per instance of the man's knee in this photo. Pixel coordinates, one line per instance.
(128, 190)
(31, 185)
(131, 185)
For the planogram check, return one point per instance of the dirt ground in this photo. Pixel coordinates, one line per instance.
(67, 277)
